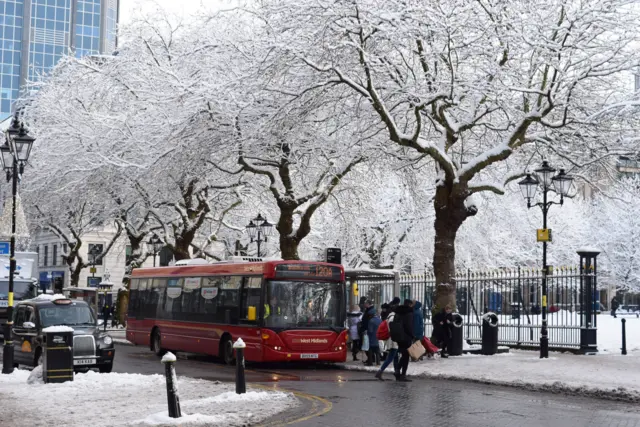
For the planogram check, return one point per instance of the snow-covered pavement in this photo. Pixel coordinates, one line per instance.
(132, 399)
(607, 374)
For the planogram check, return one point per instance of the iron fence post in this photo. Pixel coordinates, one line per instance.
(624, 336)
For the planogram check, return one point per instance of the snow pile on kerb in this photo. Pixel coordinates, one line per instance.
(131, 399)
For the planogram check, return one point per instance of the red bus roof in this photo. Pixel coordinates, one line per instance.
(264, 268)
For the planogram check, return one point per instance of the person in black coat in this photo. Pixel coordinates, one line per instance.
(368, 313)
(614, 306)
(442, 323)
(404, 316)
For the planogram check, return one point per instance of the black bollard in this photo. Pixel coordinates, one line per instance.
(172, 385)
(624, 336)
(241, 384)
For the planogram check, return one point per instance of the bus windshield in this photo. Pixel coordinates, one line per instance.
(21, 290)
(296, 304)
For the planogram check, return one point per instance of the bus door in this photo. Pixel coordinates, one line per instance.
(250, 310)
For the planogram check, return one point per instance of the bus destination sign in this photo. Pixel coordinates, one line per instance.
(308, 271)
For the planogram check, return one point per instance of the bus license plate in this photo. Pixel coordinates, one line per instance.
(308, 356)
(83, 362)
(4, 303)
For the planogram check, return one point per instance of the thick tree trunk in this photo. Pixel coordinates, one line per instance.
(181, 249)
(289, 247)
(288, 241)
(450, 212)
(74, 279)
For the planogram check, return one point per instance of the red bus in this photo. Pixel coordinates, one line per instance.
(282, 310)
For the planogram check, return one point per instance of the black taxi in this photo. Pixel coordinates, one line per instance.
(92, 348)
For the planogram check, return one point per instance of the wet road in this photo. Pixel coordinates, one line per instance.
(352, 398)
(333, 397)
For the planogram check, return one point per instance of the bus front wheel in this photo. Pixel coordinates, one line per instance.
(227, 352)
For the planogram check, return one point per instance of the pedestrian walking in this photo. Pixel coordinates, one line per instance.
(418, 322)
(363, 300)
(442, 323)
(385, 309)
(390, 346)
(614, 306)
(402, 333)
(354, 317)
(374, 346)
(367, 315)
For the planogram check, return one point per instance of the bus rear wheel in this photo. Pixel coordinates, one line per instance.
(156, 344)
(227, 352)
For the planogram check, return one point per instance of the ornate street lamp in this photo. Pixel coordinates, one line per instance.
(258, 228)
(560, 184)
(155, 245)
(14, 154)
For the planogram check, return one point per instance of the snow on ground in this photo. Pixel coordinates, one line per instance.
(606, 375)
(131, 399)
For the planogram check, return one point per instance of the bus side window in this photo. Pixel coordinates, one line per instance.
(191, 298)
(133, 298)
(208, 306)
(229, 300)
(159, 291)
(141, 308)
(172, 299)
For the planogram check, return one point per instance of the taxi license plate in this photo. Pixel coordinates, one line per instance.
(4, 303)
(308, 356)
(83, 362)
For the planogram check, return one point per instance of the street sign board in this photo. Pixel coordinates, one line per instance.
(543, 235)
(92, 270)
(5, 248)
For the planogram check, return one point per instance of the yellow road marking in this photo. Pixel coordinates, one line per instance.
(319, 406)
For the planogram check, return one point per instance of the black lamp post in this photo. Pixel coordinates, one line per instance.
(14, 153)
(560, 184)
(258, 228)
(155, 246)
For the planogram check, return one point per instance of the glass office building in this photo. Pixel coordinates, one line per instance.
(35, 34)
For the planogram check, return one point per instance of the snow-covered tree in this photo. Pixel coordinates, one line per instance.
(478, 87)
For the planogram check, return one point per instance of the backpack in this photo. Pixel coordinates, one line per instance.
(396, 329)
(383, 333)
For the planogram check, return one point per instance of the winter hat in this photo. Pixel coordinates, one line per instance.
(395, 301)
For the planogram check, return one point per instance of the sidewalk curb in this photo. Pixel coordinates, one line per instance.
(557, 387)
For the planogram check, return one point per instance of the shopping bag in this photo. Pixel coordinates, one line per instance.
(416, 350)
(429, 346)
(365, 343)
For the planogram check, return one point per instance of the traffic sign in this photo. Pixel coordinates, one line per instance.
(92, 270)
(5, 248)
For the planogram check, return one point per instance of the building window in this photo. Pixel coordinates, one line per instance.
(46, 253)
(55, 255)
(99, 248)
